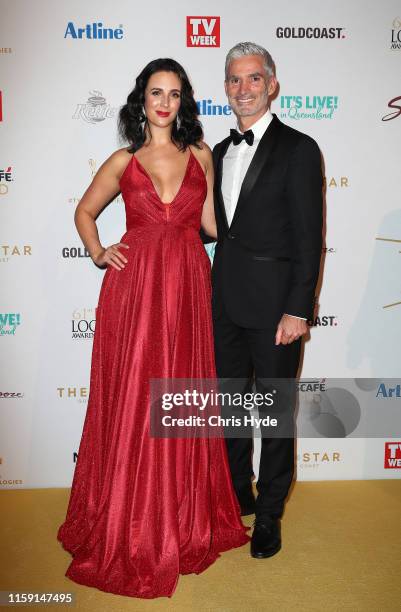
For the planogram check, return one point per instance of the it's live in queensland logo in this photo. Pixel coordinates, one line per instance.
(93, 31)
(308, 107)
(9, 322)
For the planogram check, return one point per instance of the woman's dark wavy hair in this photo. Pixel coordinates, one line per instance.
(132, 120)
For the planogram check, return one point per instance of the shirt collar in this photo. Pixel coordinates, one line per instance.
(261, 125)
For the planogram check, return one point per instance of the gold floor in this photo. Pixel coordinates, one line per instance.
(341, 551)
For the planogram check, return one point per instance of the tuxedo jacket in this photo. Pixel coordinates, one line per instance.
(267, 261)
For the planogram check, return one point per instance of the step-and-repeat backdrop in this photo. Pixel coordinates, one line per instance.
(65, 69)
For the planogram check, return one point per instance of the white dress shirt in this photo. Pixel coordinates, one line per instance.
(236, 163)
(235, 166)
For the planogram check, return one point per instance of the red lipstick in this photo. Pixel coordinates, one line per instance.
(162, 114)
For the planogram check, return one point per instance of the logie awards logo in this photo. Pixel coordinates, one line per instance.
(395, 43)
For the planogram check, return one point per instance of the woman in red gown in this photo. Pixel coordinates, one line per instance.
(145, 509)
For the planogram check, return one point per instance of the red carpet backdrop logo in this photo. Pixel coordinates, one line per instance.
(308, 107)
(6, 177)
(396, 34)
(9, 322)
(83, 323)
(203, 31)
(392, 455)
(95, 109)
(310, 32)
(93, 31)
(394, 103)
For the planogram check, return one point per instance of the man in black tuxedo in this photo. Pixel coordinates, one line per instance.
(268, 206)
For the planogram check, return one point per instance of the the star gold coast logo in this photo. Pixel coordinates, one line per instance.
(395, 242)
(79, 394)
(315, 459)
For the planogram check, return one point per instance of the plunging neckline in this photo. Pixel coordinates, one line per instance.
(153, 185)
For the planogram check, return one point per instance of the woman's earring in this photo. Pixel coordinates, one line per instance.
(143, 114)
(178, 122)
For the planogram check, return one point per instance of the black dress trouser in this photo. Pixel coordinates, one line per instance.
(243, 353)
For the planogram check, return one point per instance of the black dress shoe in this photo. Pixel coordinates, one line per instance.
(246, 499)
(266, 539)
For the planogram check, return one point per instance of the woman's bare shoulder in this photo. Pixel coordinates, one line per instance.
(117, 162)
(203, 153)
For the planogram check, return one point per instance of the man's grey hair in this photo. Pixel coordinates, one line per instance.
(250, 48)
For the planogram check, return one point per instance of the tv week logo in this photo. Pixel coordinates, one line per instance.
(203, 31)
(392, 455)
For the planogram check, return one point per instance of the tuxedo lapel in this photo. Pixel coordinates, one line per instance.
(265, 147)
(218, 178)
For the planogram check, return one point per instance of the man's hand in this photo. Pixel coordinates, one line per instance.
(290, 329)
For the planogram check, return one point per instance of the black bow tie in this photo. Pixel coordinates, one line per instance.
(236, 137)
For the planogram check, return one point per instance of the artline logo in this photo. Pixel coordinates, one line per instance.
(5, 177)
(396, 34)
(396, 113)
(74, 252)
(9, 322)
(392, 455)
(384, 392)
(308, 107)
(206, 107)
(95, 109)
(93, 31)
(310, 32)
(203, 31)
(83, 323)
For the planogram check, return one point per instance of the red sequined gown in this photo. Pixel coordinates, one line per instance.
(143, 510)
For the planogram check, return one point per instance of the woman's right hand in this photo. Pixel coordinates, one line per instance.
(111, 256)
